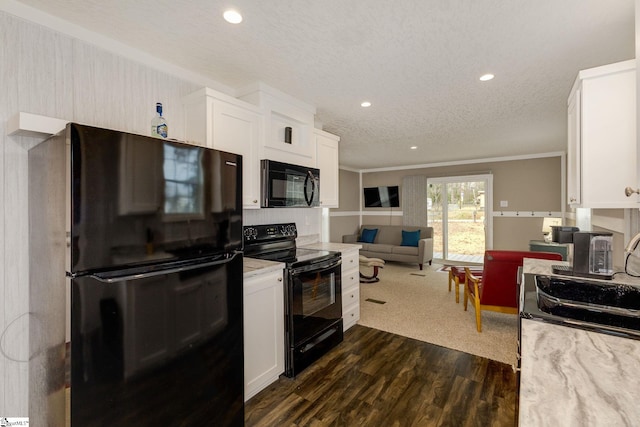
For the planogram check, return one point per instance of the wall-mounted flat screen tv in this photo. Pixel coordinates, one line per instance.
(381, 197)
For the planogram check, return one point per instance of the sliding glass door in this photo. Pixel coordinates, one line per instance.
(459, 210)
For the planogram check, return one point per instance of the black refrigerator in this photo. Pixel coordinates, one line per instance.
(155, 265)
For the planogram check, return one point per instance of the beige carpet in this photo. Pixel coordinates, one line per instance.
(418, 305)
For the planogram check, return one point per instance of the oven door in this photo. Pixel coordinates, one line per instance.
(286, 185)
(314, 299)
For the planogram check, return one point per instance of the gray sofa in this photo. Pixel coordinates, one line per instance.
(386, 244)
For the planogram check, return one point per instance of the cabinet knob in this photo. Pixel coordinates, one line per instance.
(629, 191)
(255, 201)
(279, 279)
(572, 199)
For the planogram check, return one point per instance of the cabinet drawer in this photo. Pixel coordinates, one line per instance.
(350, 260)
(350, 317)
(350, 279)
(349, 297)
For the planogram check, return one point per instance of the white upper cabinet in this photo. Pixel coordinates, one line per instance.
(288, 126)
(602, 147)
(222, 122)
(327, 161)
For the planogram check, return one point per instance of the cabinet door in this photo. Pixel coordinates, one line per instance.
(237, 130)
(602, 144)
(608, 137)
(327, 158)
(297, 149)
(263, 331)
(573, 157)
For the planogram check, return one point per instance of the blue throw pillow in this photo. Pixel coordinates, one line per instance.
(410, 238)
(368, 235)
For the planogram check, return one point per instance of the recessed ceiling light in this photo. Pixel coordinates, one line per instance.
(232, 16)
(486, 77)
(365, 104)
(413, 147)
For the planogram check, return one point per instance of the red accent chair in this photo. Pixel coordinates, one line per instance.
(497, 289)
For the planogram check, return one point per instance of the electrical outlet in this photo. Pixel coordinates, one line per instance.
(504, 203)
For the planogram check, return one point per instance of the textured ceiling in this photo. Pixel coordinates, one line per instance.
(417, 61)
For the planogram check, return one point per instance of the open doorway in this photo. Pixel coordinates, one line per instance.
(459, 210)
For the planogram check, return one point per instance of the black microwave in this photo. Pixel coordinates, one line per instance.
(289, 186)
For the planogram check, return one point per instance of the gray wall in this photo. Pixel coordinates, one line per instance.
(528, 185)
(346, 218)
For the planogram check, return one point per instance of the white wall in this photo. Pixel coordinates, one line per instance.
(308, 220)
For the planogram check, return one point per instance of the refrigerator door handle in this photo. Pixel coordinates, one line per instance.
(123, 276)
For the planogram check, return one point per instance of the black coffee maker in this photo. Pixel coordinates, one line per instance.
(592, 256)
(562, 233)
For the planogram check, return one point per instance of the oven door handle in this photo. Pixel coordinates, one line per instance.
(317, 267)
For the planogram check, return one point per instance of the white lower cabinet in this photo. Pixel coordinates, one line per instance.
(350, 288)
(263, 331)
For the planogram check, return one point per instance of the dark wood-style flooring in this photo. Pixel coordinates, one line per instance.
(375, 378)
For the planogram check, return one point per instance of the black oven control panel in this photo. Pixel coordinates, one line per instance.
(266, 233)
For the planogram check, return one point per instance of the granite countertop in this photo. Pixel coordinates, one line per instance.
(573, 377)
(573, 373)
(329, 246)
(255, 267)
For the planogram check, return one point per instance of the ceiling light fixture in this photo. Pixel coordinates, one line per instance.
(413, 147)
(365, 104)
(486, 77)
(232, 16)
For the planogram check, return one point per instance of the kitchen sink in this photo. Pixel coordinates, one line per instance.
(604, 303)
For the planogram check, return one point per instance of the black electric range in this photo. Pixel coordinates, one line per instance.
(312, 292)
